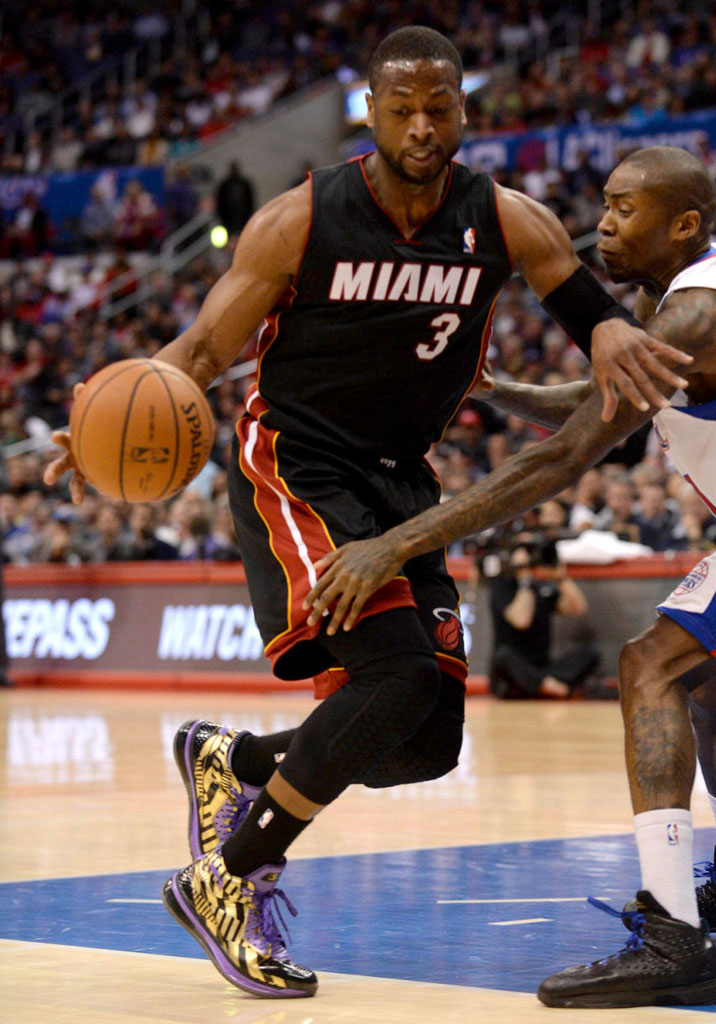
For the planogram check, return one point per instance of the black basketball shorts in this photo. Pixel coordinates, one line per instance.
(292, 504)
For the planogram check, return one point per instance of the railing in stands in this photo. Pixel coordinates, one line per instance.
(141, 61)
(179, 249)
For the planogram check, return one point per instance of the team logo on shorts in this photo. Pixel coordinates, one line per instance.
(449, 629)
(693, 581)
(468, 241)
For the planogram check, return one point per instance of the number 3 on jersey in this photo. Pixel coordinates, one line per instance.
(447, 324)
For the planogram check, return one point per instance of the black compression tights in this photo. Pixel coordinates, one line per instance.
(386, 707)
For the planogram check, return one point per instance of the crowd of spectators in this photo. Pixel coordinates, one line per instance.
(132, 221)
(51, 337)
(54, 329)
(200, 68)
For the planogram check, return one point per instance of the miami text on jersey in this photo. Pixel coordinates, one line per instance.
(404, 282)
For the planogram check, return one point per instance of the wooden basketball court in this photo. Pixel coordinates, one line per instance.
(445, 901)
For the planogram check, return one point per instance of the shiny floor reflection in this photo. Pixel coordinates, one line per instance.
(447, 900)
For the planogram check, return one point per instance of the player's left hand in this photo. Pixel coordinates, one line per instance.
(348, 576)
(625, 357)
(65, 461)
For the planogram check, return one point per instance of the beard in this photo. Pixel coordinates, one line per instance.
(421, 176)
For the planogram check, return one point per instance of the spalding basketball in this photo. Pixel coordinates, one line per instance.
(140, 430)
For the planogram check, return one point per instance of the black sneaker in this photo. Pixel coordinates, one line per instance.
(705, 894)
(665, 963)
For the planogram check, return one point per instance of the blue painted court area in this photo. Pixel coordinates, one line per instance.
(498, 916)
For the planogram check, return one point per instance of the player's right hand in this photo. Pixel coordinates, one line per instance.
(66, 461)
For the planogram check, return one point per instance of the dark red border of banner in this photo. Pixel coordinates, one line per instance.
(172, 573)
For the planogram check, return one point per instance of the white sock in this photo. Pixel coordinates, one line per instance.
(665, 840)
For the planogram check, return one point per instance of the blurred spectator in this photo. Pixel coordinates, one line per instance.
(26, 526)
(119, 148)
(617, 515)
(29, 233)
(113, 538)
(55, 537)
(706, 154)
(660, 528)
(66, 154)
(153, 150)
(553, 518)
(649, 46)
(221, 546)
(97, 223)
(146, 545)
(35, 157)
(523, 663)
(182, 199)
(136, 219)
(698, 523)
(140, 117)
(234, 199)
(587, 501)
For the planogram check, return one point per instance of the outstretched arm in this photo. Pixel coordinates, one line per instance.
(550, 406)
(267, 256)
(353, 572)
(623, 356)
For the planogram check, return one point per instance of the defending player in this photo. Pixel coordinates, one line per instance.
(378, 280)
(661, 207)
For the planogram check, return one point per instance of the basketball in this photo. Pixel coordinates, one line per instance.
(140, 430)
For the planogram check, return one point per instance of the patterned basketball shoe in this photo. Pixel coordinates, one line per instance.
(666, 962)
(218, 802)
(232, 918)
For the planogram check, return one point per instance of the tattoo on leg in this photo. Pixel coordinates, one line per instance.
(660, 757)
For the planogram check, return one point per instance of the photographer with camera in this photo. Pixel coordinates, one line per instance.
(523, 602)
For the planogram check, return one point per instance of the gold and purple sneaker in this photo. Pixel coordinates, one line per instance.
(232, 919)
(218, 801)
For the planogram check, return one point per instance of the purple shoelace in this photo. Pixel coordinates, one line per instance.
(262, 929)
(230, 816)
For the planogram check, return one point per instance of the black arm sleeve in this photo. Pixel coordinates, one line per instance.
(579, 304)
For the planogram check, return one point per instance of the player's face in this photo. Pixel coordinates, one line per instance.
(417, 115)
(635, 227)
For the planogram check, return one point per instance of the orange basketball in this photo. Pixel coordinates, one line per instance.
(140, 430)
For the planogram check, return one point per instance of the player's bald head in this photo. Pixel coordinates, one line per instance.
(678, 180)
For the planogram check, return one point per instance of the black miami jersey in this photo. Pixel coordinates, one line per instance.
(380, 337)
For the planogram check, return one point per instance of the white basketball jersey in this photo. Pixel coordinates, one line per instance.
(688, 433)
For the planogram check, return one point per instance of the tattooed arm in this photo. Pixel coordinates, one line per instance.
(549, 406)
(353, 572)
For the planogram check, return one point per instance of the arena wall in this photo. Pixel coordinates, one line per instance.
(174, 625)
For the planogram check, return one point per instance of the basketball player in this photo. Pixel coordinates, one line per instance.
(660, 213)
(377, 280)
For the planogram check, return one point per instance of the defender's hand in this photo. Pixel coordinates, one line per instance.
(64, 462)
(485, 383)
(625, 357)
(348, 576)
